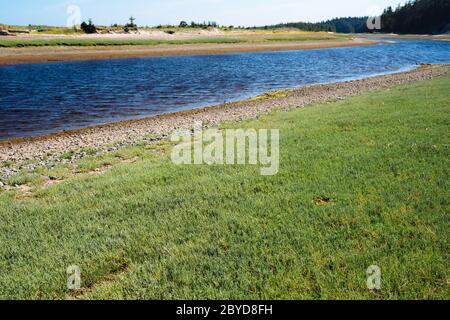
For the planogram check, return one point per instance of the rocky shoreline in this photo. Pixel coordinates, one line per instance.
(28, 154)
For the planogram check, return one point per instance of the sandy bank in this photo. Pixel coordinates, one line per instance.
(47, 54)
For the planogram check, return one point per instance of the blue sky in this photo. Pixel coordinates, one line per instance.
(154, 12)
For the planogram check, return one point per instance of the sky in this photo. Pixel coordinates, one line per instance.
(155, 12)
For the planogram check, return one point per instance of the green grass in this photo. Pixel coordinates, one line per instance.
(150, 229)
(83, 42)
(23, 178)
(10, 42)
(59, 31)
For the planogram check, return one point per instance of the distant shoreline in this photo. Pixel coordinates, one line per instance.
(443, 37)
(9, 56)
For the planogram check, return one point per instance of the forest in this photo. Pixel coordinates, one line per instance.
(415, 17)
(418, 17)
(341, 25)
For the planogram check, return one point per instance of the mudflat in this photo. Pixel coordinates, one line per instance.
(64, 53)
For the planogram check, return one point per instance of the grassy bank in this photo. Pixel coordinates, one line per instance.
(10, 42)
(83, 42)
(362, 181)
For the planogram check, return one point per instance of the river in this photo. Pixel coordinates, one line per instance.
(41, 98)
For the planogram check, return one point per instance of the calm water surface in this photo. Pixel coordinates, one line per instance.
(41, 98)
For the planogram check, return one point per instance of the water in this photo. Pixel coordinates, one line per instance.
(36, 99)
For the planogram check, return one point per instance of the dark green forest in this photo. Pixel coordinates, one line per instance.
(415, 17)
(418, 17)
(342, 25)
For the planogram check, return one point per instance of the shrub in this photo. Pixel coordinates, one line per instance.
(88, 27)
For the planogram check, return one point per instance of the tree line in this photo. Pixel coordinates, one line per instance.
(419, 16)
(341, 25)
(90, 27)
(416, 16)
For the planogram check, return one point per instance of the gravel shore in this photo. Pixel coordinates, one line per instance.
(48, 149)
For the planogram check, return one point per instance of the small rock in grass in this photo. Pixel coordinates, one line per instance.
(322, 200)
